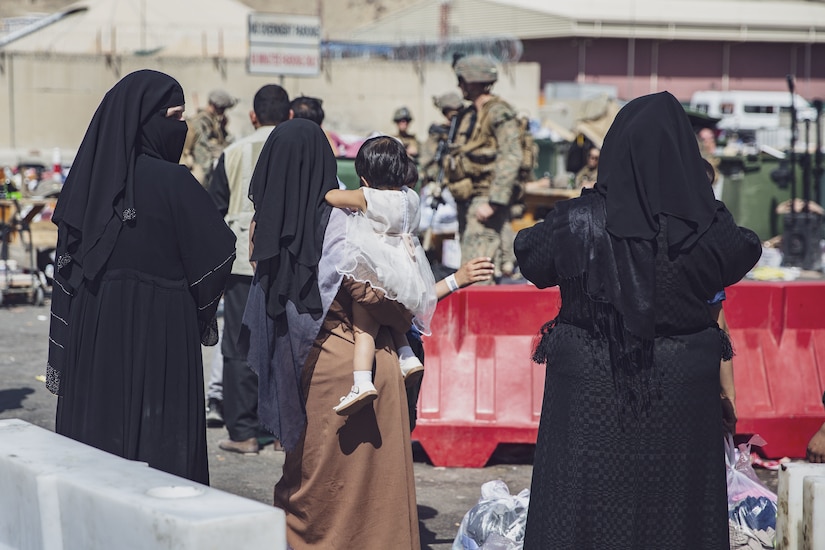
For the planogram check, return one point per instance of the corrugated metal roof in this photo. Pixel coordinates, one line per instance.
(179, 28)
(736, 20)
(421, 22)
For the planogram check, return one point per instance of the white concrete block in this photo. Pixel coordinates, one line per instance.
(813, 515)
(789, 512)
(58, 494)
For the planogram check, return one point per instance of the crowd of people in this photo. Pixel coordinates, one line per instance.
(326, 293)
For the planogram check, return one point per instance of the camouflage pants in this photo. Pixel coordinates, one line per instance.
(480, 238)
(505, 260)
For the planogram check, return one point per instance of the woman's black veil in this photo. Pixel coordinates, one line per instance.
(98, 195)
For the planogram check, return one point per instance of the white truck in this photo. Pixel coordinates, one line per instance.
(755, 115)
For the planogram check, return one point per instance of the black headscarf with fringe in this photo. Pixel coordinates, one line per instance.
(650, 171)
(652, 199)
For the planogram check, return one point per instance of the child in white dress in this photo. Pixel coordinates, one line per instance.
(383, 251)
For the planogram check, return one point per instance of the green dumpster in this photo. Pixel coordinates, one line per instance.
(751, 195)
(546, 161)
(346, 173)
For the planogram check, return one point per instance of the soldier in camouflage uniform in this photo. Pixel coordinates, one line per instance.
(402, 119)
(207, 136)
(449, 104)
(482, 168)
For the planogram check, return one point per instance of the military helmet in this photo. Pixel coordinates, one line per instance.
(402, 113)
(221, 99)
(448, 102)
(476, 69)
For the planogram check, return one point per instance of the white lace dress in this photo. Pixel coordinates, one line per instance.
(382, 250)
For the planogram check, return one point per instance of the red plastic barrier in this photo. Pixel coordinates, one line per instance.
(482, 389)
(778, 333)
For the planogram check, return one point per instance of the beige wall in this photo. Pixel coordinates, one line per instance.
(52, 99)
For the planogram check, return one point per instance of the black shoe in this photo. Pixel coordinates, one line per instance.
(214, 413)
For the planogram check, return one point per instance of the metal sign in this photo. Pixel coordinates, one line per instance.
(284, 44)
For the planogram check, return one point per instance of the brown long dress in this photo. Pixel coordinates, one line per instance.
(349, 482)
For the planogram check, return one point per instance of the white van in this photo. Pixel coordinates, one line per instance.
(749, 111)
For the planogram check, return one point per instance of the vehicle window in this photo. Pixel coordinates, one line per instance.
(703, 107)
(726, 108)
(760, 109)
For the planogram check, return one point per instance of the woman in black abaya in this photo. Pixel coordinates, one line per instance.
(142, 258)
(630, 447)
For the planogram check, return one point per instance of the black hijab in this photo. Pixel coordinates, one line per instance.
(650, 165)
(651, 177)
(98, 196)
(295, 170)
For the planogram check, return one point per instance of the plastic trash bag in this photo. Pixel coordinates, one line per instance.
(496, 522)
(751, 505)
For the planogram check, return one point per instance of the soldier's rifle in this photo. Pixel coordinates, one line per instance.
(435, 188)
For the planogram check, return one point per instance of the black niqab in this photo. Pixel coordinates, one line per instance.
(163, 137)
(98, 195)
(295, 170)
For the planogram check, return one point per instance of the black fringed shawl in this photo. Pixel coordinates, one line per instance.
(604, 274)
(652, 194)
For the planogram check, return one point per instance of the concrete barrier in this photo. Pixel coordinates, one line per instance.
(813, 504)
(790, 511)
(58, 494)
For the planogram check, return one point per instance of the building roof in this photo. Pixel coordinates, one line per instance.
(177, 28)
(732, 20)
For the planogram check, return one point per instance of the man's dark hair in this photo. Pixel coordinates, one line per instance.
(309, 108)
(384, 163)
(271, 105)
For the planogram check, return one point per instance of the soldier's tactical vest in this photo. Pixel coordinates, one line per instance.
(470, 166)
(407, 140)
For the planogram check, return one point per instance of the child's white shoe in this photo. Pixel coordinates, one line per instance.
(360, 395)
(412, 370)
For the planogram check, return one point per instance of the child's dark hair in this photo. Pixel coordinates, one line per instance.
(384, 163)
(710, 171)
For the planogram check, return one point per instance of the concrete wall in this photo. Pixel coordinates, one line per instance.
(48, 101)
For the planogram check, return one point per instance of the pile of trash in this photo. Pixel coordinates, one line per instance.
(496, 522)
(751, 505)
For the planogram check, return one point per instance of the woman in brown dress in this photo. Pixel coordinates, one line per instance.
(347, 481)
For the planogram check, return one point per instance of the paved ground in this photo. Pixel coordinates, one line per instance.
(444, 494)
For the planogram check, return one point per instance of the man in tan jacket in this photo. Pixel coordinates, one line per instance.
(230, 191)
